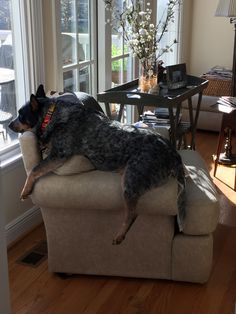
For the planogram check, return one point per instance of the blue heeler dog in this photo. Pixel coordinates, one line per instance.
(71, 125)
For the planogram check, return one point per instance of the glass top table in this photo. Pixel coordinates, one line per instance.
(129, 94)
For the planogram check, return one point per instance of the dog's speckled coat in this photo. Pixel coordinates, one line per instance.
(78, 126)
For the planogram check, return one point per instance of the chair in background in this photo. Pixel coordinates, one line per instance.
(5, 118)
(8, 100)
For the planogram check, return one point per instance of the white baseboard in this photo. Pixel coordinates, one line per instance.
(23, 224)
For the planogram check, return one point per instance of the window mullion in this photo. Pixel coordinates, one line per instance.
(56, 81)
(104, 48)
(93, 47)
(77, 76)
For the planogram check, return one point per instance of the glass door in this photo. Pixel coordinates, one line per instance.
(121, 60)
(78, 20)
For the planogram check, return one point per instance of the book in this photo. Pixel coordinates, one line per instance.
(160, 117)
(228, 100)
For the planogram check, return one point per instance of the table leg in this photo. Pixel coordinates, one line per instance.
(190, 110)
(194, 125)
(108, 109)
(219, 146)
(172, 127)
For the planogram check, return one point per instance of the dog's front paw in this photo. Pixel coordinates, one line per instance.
(28, 188)
(24, 195)
(118, 239)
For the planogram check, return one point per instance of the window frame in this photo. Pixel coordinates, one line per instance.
(78, 64)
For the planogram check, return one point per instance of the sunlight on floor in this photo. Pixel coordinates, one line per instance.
(224, 181)
(225, 176)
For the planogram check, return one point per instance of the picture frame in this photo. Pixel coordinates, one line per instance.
(176, 76)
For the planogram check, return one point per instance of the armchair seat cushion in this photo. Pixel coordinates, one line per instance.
(202, 205)
(76, 164)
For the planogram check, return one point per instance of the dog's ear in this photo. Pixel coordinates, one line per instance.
(34, 103)
(40, 92)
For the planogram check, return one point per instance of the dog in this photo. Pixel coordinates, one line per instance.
(69, 125)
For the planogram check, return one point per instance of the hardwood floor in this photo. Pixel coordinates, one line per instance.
(35, 291)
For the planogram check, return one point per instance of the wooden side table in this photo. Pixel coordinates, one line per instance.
(228, 126)
(129, 94)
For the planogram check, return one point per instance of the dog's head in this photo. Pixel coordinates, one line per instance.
(28, 114)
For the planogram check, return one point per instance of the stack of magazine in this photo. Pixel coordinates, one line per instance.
(227, 101)
(226, 104)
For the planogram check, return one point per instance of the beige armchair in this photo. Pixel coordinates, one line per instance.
(82, 210)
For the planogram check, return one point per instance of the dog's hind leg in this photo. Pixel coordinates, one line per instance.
(129, 218)
(45, 166)
(130, 203)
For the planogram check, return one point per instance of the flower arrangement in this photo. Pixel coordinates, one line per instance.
(134, 21)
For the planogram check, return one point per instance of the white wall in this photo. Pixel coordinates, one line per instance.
(212, 38)
(19, 216)
(4, 284)
(13, 181)
(186, 34)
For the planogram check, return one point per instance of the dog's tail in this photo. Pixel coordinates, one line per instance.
(181, 198)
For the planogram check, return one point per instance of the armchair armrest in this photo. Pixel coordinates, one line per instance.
(30, 150)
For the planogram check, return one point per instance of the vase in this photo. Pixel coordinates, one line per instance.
(148, 78)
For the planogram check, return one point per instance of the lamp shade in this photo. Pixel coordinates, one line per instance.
(226, 8)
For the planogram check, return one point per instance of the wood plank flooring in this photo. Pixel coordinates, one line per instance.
(36, 291)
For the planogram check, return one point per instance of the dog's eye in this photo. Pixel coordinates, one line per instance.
(21, 119)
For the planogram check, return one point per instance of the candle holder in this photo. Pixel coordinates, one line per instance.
(227, 158)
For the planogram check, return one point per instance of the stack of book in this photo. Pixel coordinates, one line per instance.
(151, 117)
(160, 117)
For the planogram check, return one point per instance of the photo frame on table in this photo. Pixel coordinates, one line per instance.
(176, 76)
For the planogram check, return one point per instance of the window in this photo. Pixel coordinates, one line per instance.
(78, 51)
(93, 57)
(121, 59)
(7, 74)
(21, 51)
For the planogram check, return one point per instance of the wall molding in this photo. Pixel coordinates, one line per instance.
(23, 224)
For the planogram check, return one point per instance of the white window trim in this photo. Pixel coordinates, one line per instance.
(180, 39)
(94, 39)
(104, 48)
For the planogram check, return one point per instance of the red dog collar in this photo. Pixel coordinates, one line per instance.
(48, 116)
